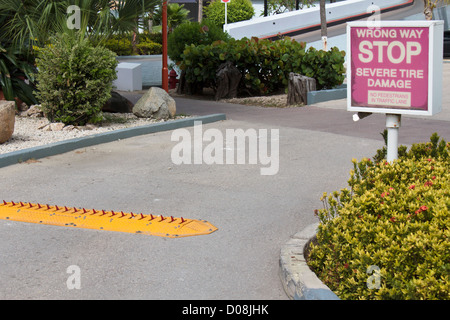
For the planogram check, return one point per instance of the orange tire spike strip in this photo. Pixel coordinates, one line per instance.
(163, 226)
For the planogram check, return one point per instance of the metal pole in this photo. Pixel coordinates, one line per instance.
(393, 122)
(226, 16)
(165, 69)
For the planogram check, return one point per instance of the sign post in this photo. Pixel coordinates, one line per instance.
(394, 68)
(226, 3)
(393, 122)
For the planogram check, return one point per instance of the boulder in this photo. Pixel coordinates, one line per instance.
(34, 111)
(57, 126)
(117, 104)
(7, 120)
(155, 103)
(53, 126)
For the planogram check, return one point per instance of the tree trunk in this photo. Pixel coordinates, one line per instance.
(428, 9)
(228, 78)
(189, 88)
(150, 23)
(323, 24)
(298, 88)
(200, 10)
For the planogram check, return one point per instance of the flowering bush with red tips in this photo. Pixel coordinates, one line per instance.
(406, 237)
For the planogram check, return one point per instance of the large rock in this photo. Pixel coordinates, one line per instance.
(155, 103)
(34, 111)
(7, 120)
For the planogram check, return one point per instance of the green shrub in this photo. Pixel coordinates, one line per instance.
(281, 6)
(74, 79)
(327, 67)
(237, 10)
(147, 43)
(149, 47)
(120, 46)
(434, 148)
(195, 33)
(150, 37)
(264, 64)
(396, 221)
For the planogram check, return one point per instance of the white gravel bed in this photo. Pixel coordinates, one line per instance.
(27, 132)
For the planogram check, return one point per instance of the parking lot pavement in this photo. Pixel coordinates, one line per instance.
(255, 215)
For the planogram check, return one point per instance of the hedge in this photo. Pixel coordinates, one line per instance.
(264, 64)
(74, 79)
(388, 237)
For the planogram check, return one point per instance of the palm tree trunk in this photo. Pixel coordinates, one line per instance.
(200, 10)
(323, 24)
(134, 41)
(428, 9)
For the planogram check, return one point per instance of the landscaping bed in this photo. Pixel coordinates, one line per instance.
(35, 131)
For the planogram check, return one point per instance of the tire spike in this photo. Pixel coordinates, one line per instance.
(105, 220)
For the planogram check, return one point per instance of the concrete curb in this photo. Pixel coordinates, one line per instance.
(299, 282)
(72, 144)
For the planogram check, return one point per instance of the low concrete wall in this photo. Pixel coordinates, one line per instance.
(296, 21)
(326, 95)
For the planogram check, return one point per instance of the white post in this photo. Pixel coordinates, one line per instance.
(393, 122)
(226, 15)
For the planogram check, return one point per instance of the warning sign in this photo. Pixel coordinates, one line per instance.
(392, 67)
